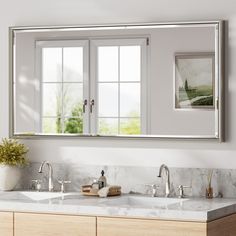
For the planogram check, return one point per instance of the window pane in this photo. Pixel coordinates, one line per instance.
(73, 64)
(130, 63)
(51, 98)
(130, 100)
(108, 126)
(107, 63)
(108, 100)
(51, 125)
(130, 126)
(51, 64)
(73, 99)
(74, 125)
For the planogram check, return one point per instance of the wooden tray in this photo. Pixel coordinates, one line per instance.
(114, 191)
(96, 195)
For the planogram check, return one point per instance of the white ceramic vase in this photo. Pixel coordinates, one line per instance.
(9, 177)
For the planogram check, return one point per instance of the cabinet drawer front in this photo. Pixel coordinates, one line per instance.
(50, 225)
(136, 227)
(6, 224)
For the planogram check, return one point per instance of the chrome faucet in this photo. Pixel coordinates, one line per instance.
(167, 194)
(50, 174)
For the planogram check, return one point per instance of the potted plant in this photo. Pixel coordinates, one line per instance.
(12, 157)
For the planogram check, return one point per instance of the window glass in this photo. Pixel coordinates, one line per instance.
(130, 63)
(108, 63)
(52, 64)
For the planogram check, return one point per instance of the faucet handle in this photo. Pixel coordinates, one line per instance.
(154, 189)
(62, 183)
(37, 184)
(181, 190)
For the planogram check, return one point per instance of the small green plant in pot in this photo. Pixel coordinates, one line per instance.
(12, 158)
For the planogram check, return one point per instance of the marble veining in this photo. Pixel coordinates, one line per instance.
(127, 205)
(136, 179)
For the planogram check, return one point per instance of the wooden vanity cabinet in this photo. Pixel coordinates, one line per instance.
(6, 223)
(27, 224)
(35, 224)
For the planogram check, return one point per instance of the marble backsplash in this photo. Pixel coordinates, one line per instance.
(135, 179)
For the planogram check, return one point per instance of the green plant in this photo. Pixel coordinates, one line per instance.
(74, 125)
(13, 153)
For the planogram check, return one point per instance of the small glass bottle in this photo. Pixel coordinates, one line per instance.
(102, 180)
(209, 189)
(209, 192)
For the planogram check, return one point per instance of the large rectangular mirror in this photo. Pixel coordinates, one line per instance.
(146, 80)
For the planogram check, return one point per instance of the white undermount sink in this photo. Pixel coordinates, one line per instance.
(143, 201)
(124, 200)
(40, 196)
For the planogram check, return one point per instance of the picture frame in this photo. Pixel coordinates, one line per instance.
(194, 76)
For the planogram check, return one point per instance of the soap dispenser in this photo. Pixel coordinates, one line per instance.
(102, 180)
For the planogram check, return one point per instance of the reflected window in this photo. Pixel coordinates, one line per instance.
(62, 85)
(111, 76)
(119, 89)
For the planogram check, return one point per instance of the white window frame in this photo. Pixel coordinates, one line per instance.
(39, 45)
(139, 41)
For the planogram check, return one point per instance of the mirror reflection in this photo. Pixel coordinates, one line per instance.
(152, 80)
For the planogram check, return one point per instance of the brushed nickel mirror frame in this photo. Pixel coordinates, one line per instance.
(220, 73)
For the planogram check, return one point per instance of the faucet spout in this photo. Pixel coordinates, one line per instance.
(164, 167)
(50, 174)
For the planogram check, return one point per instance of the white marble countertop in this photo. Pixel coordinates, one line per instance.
(192, 209)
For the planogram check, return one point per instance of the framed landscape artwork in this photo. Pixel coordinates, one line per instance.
(194, 80)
